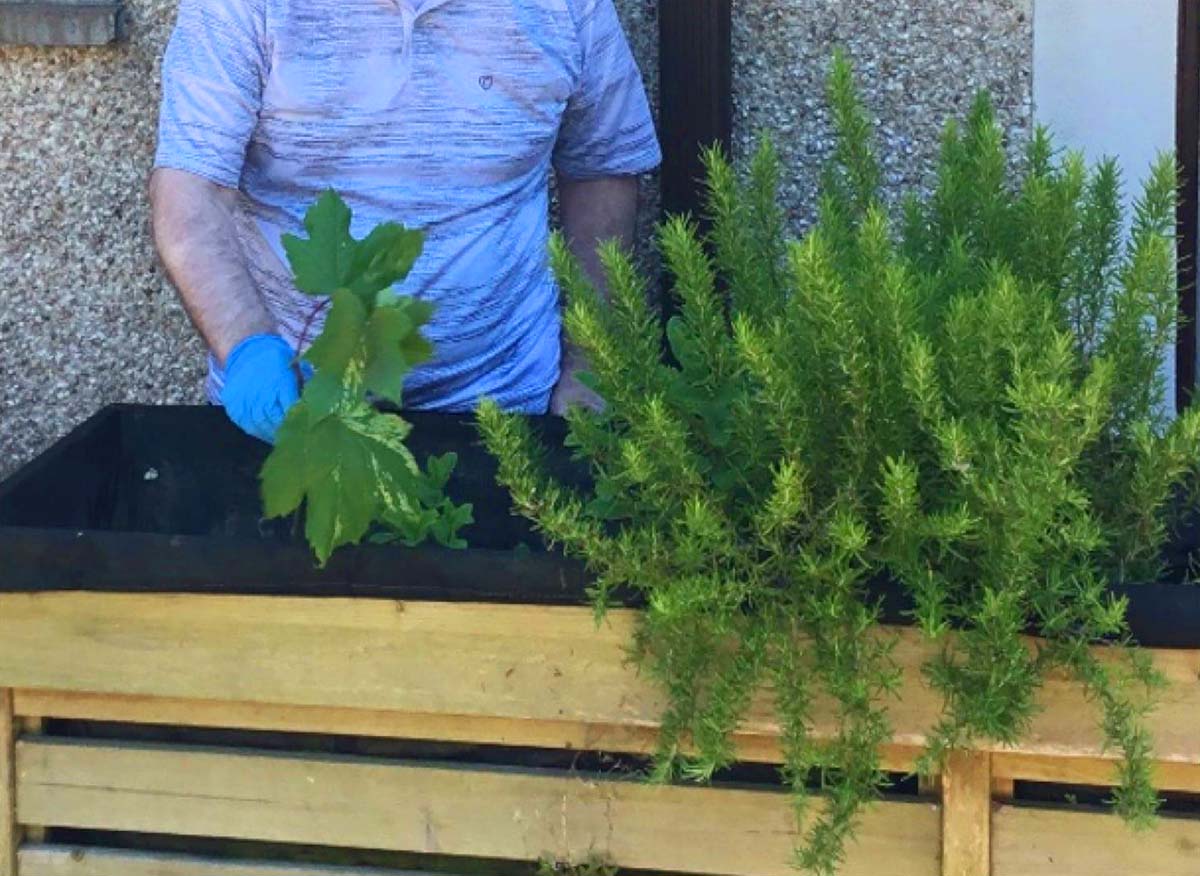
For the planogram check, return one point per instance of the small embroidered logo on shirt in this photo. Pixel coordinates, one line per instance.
(486, 82)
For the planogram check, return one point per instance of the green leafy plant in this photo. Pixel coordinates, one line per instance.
(336, 453)
(592, 865)
(964, 398)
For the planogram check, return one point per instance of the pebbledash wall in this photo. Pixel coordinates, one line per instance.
(86, 317)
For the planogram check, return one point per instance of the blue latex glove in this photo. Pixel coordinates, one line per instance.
(260, 385)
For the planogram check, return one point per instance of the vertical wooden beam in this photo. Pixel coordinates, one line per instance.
(1003, 789)
(27, 726)
(967, 814)
(1187, 150)
(9, 831)
(695, 94)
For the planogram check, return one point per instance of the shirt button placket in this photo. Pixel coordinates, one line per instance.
(408, 17)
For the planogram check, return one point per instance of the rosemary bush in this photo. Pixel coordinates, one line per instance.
(965, 398)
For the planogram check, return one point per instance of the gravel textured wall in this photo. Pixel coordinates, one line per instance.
(918, 63)
(86, 318)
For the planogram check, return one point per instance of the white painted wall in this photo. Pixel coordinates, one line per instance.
(1104, 75)
(1104, 81)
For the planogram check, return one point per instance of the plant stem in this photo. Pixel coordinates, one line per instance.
(308, 324)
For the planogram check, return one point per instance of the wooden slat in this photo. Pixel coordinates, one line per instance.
(473, 729)
(1068, 724)
(76, 861)
(9, 830)
(529, 663)
(494, 662)
(487, 813)
(526, 662)
(28, 726)
(1047, 842)
(1009, 766)
(967, 814)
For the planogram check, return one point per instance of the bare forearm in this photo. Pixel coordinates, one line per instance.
(594, 211)
(197, 240)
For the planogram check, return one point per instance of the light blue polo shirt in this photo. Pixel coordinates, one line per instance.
(445, 115)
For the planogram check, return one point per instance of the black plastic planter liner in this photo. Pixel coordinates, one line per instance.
(165, 499)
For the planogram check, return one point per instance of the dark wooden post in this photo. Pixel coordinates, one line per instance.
(1187, 148)
(695, 101)
(696, 93)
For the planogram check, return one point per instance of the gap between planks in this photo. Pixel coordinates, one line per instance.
(53, 860)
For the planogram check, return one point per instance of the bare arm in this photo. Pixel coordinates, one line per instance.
(592, 211)
(197, 241)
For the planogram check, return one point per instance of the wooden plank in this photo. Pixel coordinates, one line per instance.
(80, 861)
(490, 813)
(1049, 842)
(471, 729)
(967, 814)
(29, 726)
(529, 663)
(10, 838)
(1068, 724)
(1010, 766)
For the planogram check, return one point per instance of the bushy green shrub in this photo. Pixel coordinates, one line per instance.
(965, 397)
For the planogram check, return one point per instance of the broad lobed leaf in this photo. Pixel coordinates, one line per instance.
(321, 264)
(350, 467)
(343, 461)
(330, 258)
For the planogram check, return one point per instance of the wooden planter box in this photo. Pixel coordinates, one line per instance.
(136, 727)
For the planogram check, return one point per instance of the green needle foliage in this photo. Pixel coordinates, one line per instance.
(964, 397)
(593, 865)
(335, 452)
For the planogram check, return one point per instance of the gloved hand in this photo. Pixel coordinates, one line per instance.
(260, 385)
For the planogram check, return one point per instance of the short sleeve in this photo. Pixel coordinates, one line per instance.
(607, 128)
(213, 73)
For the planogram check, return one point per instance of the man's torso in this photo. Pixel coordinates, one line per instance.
(443, 119)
